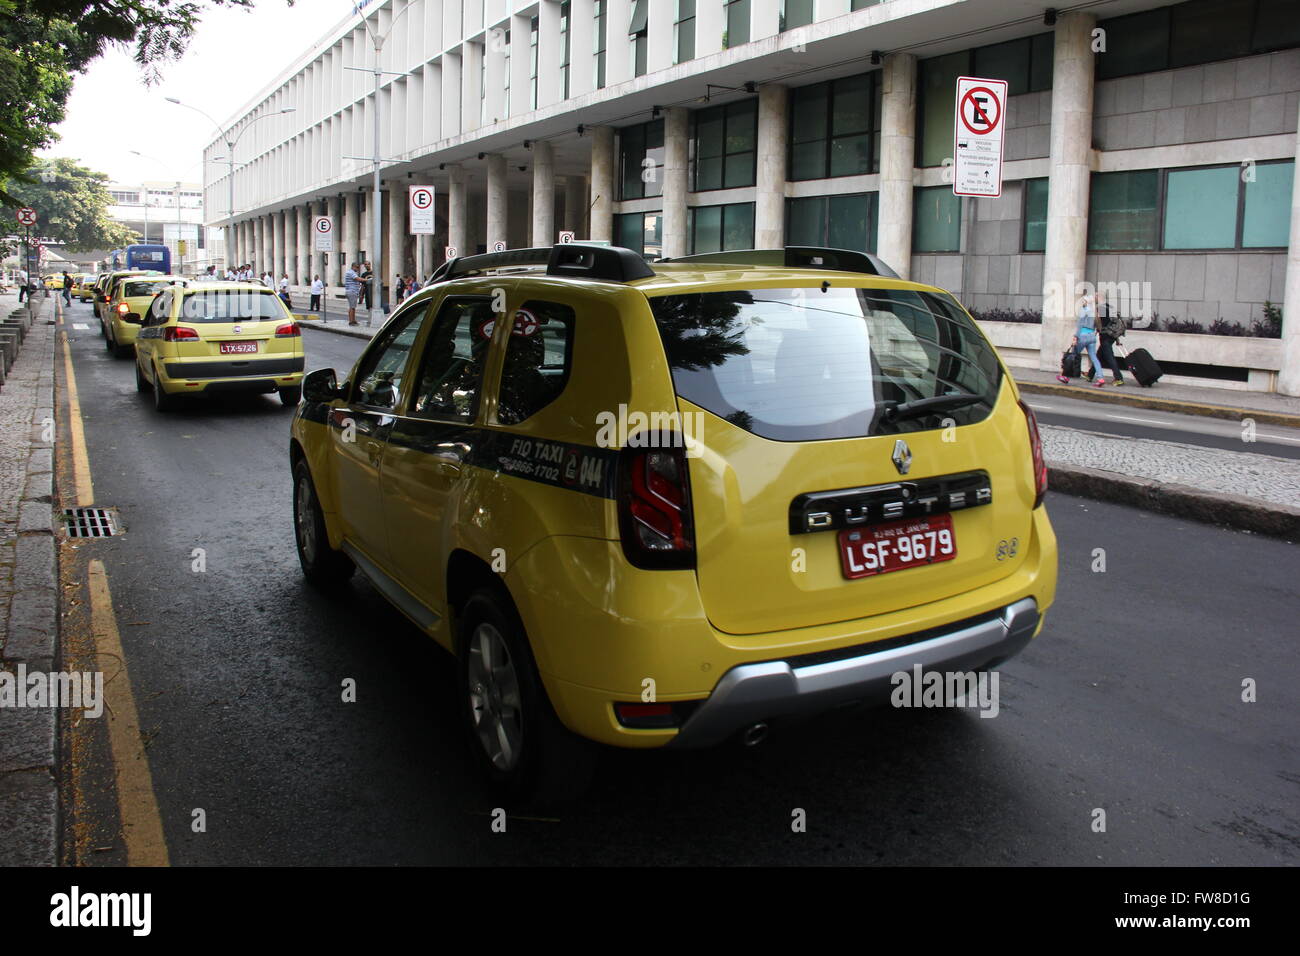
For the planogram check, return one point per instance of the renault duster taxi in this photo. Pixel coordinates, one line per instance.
(218, 337)
(669, 504)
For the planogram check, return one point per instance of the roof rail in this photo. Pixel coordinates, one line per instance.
(575, 259)
(800, 257)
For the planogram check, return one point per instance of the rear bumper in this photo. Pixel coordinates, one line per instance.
(751, 693)
(235, 368)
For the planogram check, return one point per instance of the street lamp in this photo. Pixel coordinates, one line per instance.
(224, 135)
(176, 196)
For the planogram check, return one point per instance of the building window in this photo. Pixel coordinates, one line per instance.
(1201, 208)
(599, 18)
(565, 13)
(532, 64)
(723, 146)
(1035, 215)
(1026, 65)
(1124, 210)
(835, 127)
(833, 222)
(722, 228)
(1266, 221)
(685, 30)
(796, 13)
(863, 4)
(642, 232)
(506, 66)
(641, 160)
(1200, 31)
(639, 33)
(936, 220)
(737, 29)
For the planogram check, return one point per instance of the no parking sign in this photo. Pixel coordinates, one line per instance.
(978, 127)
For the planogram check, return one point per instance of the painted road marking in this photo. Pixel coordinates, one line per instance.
(1144, 421)
(85, 488)
(80, 326)
(138, 806)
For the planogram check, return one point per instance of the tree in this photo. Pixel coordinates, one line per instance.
(72, 202)
(44, 43)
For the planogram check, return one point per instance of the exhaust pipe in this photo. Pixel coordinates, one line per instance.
(754, 735)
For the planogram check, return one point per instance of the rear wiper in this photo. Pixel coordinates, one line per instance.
(924, 406)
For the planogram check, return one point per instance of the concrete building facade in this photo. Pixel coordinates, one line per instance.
(1148, 146)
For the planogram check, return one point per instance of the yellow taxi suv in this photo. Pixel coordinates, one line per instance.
(127, 308)
(673, 504)
(218, 338)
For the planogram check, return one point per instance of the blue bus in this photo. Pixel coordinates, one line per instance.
(153, 258)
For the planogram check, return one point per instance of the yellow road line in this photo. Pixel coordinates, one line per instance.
(85, 488)
(141, 822)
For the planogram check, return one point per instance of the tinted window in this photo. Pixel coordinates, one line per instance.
(231, 305)
(451, 371)
(803, 364)
(379, 376)
(537, 361)
(130, 289)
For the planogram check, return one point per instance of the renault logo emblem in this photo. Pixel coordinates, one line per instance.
(902, 457)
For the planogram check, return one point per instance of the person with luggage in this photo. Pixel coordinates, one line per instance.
(1085, 337)
(1111, 329)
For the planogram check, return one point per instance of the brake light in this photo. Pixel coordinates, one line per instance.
(179, 333)
(123, 308)
(1040, 463)
(289, 330)
(654, 504)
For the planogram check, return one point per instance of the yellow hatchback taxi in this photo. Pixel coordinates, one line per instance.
(216, 338)
(672, 504)
(127, 307)
(84, 289)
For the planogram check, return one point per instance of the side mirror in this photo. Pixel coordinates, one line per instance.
(321, 386)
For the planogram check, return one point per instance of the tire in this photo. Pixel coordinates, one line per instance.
(517, 741)
(322, 566)
(141, 383)
(291, 396)
(162, 402)
(108, 340)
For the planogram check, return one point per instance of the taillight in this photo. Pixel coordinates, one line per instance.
(654, 506)
(1036, 445)
(123, 308)
(289, 330)
(179, 333)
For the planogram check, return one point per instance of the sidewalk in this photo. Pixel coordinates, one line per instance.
(1266, 408)
(29, 801)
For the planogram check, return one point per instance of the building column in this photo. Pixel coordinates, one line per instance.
(897, 156)
(351, 250)
(263, 263)
(457, 213)
(575, 205)
(769, 196)
(245, 243)
(277, 243)
(543, 194)
(1065, 257)
(395, 243)
(291, 244)
(366, 222)
(497, 201)
(676, 146)
(602, 184)
(1288, 379)
(305, 244)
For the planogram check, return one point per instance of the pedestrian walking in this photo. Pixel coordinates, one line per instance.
(23, 291)
(352, 289)
(284, 290)
(1111, 328)
(1085, 338)
(399, 288)
(67, 288)
(367, 285)
(317, 291)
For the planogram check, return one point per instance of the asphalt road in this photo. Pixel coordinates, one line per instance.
(1129, 701)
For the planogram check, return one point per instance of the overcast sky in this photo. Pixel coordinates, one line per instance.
(234, 55)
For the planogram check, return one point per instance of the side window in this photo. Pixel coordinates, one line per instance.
(159, 309)
(379, 377)
(538, 359)
(451, 372)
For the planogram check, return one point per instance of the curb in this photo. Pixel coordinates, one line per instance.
(339, 330)
(1138, 400)
(1179, 501)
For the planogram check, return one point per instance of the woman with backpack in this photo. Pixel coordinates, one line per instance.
(1085, 338)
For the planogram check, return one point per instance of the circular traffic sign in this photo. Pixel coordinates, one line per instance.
(526, 323)
(449, 252)
(498, 246)
(421, 198)
(976, 114)
(566, 237)
(324, 225)
(27, 216)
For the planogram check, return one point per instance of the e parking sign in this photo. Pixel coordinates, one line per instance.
(322, 228)
(420, 210)
(978, 136)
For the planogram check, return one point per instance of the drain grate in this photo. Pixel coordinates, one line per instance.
(89, 522)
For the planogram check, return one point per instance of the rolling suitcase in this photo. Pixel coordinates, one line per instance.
(1144, 368)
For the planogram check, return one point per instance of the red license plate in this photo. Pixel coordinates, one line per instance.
(906, 543)
(238, 348)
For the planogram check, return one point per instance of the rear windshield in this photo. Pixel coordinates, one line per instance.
(228, 305)
(825, 363)
(131, 289)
